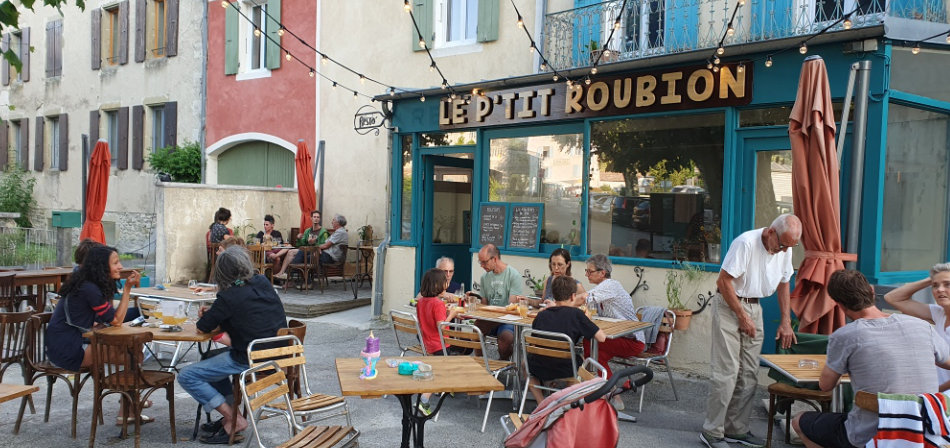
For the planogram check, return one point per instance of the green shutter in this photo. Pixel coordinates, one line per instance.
(422, 10)
(257, 163)
(272, 53)
(487, 20)
(231, 41)
(281, 168)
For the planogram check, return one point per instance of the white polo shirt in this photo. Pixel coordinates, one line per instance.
(757, 272)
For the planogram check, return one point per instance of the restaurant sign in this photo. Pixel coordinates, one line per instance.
(632, 93)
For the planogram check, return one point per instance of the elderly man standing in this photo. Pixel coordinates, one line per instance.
(758, 264)
(500, 284)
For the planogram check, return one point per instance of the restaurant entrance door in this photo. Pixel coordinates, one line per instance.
(447, 213)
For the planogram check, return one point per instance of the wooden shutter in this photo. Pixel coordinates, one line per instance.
(124, 32)
(58, 48)
(50, 48)
(95, 46)
(272, 25)
(38, 149)
(171, 28)
(140, 38)
(138, 123)
(123, 143)
(231, 44)
(25, 54)
(4, 144)
(63, 142)
(171, 123)
(422, 10)
(24, 144)
(93, 128)
(4, 46)
(487, 28)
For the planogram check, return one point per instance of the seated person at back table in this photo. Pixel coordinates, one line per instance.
(314, 235)
(882, 353)
(501, 284)
(446, 265)
(559, 262)
(219, 230)
(271, 237)
(562, 317)
(610, 300)
(431, 310)
(331, 251)
(247, 308)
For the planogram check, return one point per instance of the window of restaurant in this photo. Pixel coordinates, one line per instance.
(656, 186)
(405, 192)
(542, 169)
(916, 193)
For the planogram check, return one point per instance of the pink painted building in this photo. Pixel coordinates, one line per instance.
(259, 103)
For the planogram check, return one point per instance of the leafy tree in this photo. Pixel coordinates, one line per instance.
(10, 18)
(16, 194)
(182, 163)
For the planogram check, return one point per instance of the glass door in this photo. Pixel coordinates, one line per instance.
(447, 213)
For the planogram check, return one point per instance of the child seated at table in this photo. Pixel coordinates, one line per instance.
(430, 310)
(562, 317)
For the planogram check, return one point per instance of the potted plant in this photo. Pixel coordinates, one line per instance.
(713, 237)
(676, 280)
(536, 285)
(366, 235)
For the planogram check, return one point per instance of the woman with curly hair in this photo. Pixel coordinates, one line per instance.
(87, 302)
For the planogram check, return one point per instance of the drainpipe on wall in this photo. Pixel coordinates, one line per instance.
(204, 89)
(540, 8)
(857, 154)
(381, 249)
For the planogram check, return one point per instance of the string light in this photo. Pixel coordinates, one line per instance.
(334, 84)
(617, 24)
(803, 49)
(587, 80)
(544, 66)
(709, 65)
(432, 67)
(445, 85)
(422, 98)
(362, 80)
(768, 61)
(847, 23)
(716, 60)
(452, 97)
(720, 50)
(392, 91)
(532, 48)
(288, 56)
(606, 53)
(948, 38)
(569, 83)
(730, 31)
(312, 72)
(475, 91)
(407, 6)
(257, 32)
(741, 68)
(554, 78)
(520, 21)
(916, 49)
(354, 94)
(741, 2)
(422, 43)
(715, 69)
(324, 59)
(280, 31)
(593, 71)
(224, 3)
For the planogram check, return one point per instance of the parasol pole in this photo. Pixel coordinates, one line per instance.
(857, 154)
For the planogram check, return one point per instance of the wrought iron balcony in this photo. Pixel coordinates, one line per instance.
(574, 38)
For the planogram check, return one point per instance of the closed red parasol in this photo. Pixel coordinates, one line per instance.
(306, 193)
(97, 191)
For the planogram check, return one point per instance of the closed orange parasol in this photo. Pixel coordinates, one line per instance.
(815, 174)
(97, 191)
(306, 193)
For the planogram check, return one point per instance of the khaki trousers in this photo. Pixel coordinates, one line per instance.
(734, 360)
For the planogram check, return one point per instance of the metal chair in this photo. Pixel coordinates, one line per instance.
(470, 337)
(266, 383)
(298, 329)
(645, 358)
(288, 353)
(550, 344)
(404, 322)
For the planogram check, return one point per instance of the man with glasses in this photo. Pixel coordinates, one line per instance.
(500, 284)
(757, 265)
(447, 265)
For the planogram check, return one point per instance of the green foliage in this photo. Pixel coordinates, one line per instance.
(182, 163)
(16, 194)
(15, 251)
(676, 279)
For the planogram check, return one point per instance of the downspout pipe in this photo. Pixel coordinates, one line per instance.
(204, 91)
(383, 245)
(857, 156)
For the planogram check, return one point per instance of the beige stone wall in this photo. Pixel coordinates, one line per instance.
(186, 211)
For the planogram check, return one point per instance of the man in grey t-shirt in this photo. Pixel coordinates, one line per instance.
(332, 250)
(881, 353)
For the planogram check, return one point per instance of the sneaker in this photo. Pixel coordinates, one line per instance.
(746, 439)
(712, 441)
(425, 409)
(281, 276)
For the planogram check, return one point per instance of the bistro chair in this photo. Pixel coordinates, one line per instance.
(8, 291)
(259, 258)
(471, 337)
(117, 369)
(667, 323)
(337, 269)
(37, 365)
(299, 330)
(310, 268)
(549, 344)
(287, 352)
(266, 389)
(407, 324)
(12, 333)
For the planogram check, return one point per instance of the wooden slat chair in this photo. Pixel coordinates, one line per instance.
(646, 358)
(12, 336)
(8, 291)
(37, 365)
(406, 324)
(337, 269)
(117, 369)
(471, 337)
(866, 400)
(310, 268)
(289, 354)
(550, 344)
(298, 329)
(589, 370)
(259, 258)
(212, 257)
(266, 389)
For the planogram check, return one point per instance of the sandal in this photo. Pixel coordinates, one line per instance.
(220, 437)
(143, 419)
(212, 427)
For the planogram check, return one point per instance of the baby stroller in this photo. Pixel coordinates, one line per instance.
(579, 415)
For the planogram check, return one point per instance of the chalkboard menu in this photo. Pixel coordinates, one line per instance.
(491, 228)
(525, 227)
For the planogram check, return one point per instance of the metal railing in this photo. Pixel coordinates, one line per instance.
(27, 248)
(574, 38)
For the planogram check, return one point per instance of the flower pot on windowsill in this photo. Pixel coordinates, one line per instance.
(682, 319)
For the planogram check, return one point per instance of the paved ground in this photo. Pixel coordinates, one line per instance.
(663, 423)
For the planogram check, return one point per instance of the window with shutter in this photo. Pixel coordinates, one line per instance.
(63, 142)
(24, 55)
(158, 127)
(39, 149)
(110, 35)
(16, 140)
(138, 118)
(4, 145)
(456, 22)
(272, 26)
(23, 145)
(156, 26)
(112, 133)
(16, 38)
(231, 41)
(54, 49)
(53, 139)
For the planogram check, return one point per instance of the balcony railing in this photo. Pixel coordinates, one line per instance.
(574, 38)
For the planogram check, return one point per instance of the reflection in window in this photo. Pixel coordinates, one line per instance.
(656, 187)
(452, 205)
(915, 214)
(773, 192)
(405, 232)
(541, 169)
(446, 139)
(779, 115)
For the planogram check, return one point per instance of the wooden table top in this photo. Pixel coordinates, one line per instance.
(179, 293)
(612, 329)
(189, 333)
(450, 374)
(788, 366)
(13, 391)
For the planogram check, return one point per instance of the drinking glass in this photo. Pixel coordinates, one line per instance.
(523, 308)
(472, 303)
(192, 284)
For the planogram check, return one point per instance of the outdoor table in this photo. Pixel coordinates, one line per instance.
(364, 258)
(13, 391)
(189, 333)
(177, 293)
(36, 282)
(457, 374)
(787, 365)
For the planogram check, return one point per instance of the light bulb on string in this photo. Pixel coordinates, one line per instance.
(475, 91)
(288, 56)
(715, 68)
(730, 31)
(362, 80)
(324, 59)
(554, 78)
(445, 84)
(452, 96)
(280, 31)
(544, 66)
(311, 73)
(532, 48)
(709, 65)
(741, 2)
(225, 4)
(334, 84)
(848, 23)
(407, 6)
(916, 49)
(606, 53)
(948, 38)
(569, 83)
(617, 24)
(392, 91)
(587, 81)
(354, 94)
(768, 61)
(593, 71)
(422, 98)
(720, 50)
(520, 21)
(716, 60)
(432, 67)
(741, 68)
(257, 32)
(422, 43)
(803, 49)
